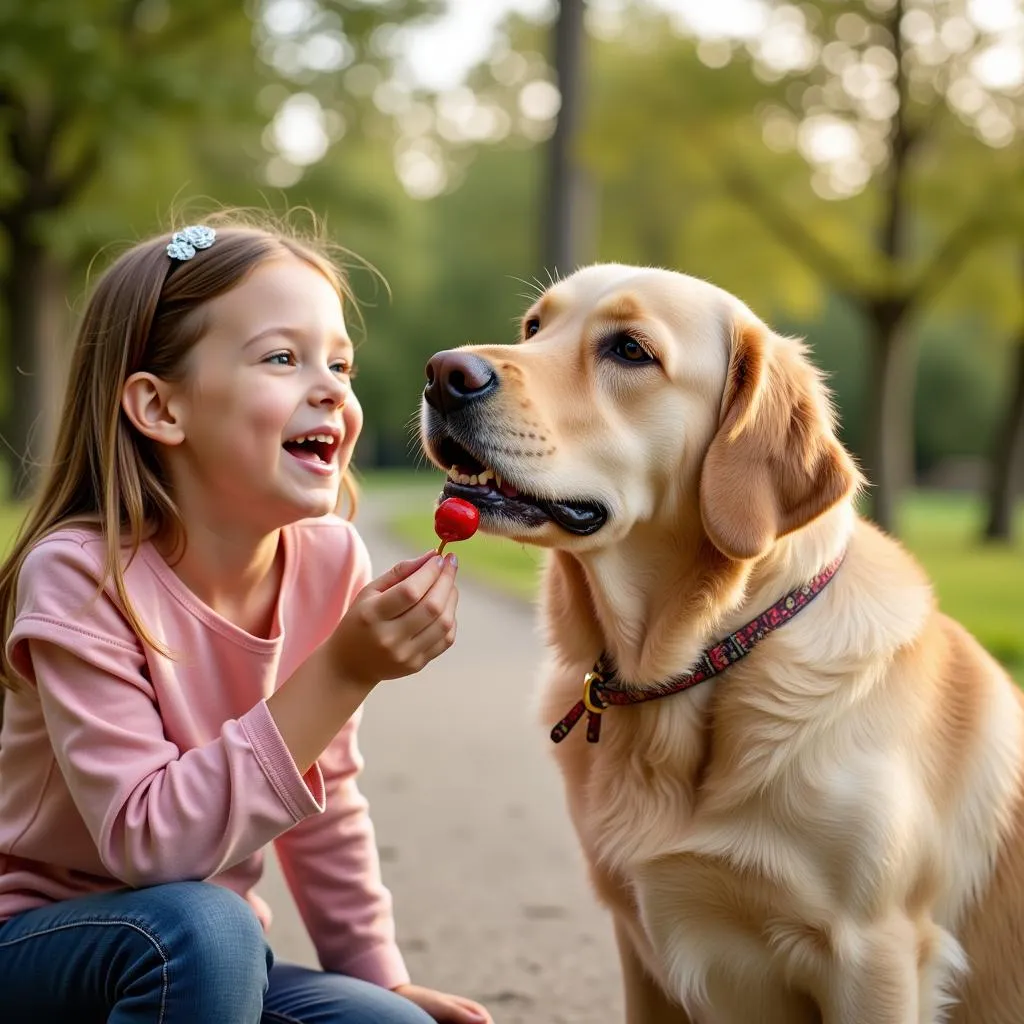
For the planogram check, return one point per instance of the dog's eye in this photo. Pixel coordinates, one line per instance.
(531, 327)
(629, 350)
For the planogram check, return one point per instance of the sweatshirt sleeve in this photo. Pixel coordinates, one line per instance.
(333, 870)
(156, 813)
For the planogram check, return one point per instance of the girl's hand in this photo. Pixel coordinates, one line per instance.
(445, 1009)
(398, 623)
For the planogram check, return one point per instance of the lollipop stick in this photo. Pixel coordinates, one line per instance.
(440, 547)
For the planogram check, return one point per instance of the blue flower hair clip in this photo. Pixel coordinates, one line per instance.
(184, 243)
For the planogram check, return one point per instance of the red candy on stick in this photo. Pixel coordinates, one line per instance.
(455, 519)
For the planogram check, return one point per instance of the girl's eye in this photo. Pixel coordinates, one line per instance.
(343, 367)
(281, 359)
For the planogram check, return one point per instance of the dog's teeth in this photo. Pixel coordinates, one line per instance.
(474, 480)
(453, 475)
(497, 479)
(483, 477)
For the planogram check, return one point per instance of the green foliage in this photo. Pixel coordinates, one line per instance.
(456, 269)
(175, 99)
(136, 103)
(959, 396)
(702, 168)
(960, 380)
(119, 116)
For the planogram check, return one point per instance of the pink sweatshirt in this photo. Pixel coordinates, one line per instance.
(121, 766)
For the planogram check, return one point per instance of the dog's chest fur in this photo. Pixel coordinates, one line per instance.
(732, 831)
(641, 803)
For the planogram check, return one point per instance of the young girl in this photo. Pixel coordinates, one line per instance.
(190, 633)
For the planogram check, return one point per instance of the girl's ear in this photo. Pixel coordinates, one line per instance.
(150, 403)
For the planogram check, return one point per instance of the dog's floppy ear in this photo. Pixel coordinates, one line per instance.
(775, 464)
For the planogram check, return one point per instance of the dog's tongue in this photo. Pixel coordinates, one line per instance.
(577, 517)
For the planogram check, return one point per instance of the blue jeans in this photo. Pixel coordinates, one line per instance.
(184, 953)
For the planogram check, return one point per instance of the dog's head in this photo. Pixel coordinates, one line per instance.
(636, 396)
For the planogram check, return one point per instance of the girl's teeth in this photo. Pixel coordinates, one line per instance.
(322, 438)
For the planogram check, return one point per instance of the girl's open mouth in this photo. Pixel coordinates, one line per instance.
(316, 451)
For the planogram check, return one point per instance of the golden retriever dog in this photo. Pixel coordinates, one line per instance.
(828, 829)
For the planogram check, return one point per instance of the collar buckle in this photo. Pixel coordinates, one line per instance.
(591, 700)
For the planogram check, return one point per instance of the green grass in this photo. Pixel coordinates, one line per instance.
(981, 586)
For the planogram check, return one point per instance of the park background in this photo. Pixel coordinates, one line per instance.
(853, 170)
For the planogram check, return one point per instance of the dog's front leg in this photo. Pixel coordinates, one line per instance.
(646, 1002)
(873, 976)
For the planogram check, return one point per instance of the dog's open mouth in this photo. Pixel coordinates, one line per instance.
(472, 479)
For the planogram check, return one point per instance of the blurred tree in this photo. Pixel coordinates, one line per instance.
(667, 115)
(91, 88)
(875, 140)
(899, 103)
(473, 248)
(1008, 454)
(565, 198)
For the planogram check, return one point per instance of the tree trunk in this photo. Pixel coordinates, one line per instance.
(566, 197)
(889, 441)
(1006, 460)
(35, 304)
(888, 444)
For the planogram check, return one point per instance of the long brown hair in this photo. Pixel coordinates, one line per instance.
(145, 314)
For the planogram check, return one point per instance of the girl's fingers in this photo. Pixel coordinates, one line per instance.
(446, 612)
(406, 594)
(397, 573)
(431, 605)
(438, 649)
(469, 1012)
(435, 640)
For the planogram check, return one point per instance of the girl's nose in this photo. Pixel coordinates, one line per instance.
(330, 391)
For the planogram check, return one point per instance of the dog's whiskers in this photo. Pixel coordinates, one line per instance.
(533, 284)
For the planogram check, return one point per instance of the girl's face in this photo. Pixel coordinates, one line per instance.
(266, 412)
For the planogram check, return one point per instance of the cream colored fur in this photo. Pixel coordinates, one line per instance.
(832, 831)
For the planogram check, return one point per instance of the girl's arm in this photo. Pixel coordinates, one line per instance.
(396, 625)
(332, 868)
(157, 813)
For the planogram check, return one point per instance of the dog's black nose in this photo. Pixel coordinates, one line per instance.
(454, 379)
